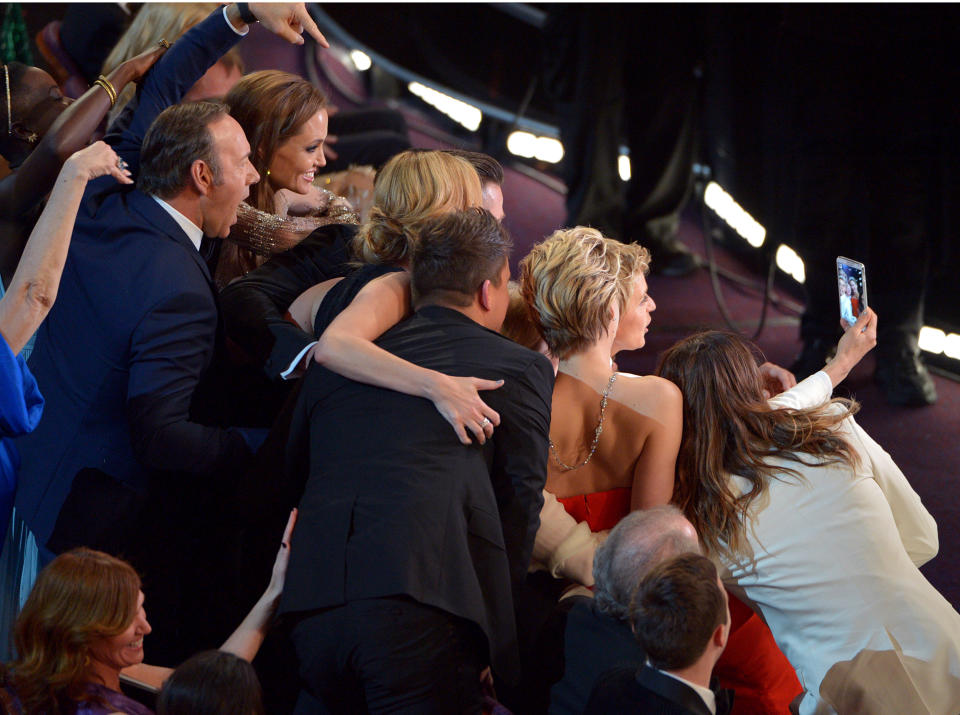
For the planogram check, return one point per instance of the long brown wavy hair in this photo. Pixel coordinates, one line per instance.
(271, 107)
(729, 429)
(81, 597)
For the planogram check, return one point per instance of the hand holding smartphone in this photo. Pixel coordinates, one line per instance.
(852, 289)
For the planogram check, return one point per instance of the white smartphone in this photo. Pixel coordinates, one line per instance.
(852, 288)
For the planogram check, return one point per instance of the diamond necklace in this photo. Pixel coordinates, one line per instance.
(596, 433)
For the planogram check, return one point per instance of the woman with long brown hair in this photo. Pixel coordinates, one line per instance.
(284, 118)
(817, 529)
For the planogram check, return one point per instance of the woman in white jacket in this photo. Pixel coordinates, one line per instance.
(818, 530)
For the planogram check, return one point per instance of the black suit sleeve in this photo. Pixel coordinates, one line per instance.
(519, 469)
(170, 348)
(253, 307)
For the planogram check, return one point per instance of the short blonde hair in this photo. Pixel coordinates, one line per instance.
(570, 281)
(155, 20)
(517, 323)
(413, 187)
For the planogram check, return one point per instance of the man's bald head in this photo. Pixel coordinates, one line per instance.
(641, 541)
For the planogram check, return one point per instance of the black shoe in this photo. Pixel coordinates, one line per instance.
(904, 379)
(813, 357)
(669, 257)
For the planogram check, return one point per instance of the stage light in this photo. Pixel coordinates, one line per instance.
(522, 144)
(722, 204)
(951, 346)
(530, 146)
(932, 339)
(789, 262)
(623, 164)
(361, 60)
(461, 112)
(548, 149)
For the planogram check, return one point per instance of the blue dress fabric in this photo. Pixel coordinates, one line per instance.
(21, 406)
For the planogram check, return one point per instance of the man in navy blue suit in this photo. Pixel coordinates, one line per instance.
(135, 325)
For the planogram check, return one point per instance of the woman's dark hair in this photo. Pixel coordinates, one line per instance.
(729, 429)
(212, 683)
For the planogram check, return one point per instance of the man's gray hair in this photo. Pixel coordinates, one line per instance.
(642, 540)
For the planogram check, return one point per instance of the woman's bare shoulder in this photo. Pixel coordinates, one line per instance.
(648, 394)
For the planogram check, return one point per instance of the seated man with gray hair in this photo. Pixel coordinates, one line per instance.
(597, 637)
(681, 618)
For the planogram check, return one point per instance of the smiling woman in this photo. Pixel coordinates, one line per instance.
(84, 623)
(284, 118)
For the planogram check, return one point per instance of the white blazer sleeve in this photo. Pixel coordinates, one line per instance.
(918, 530)
(564, 546)
(813, 391)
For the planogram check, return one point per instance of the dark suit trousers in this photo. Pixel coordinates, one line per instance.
(391, 655)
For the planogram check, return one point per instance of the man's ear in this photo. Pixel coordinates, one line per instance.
(720, 634)
(484, 295)
(201, 177)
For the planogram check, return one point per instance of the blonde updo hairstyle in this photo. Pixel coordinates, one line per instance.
(154, 20)
(570, 280)
(413, 187)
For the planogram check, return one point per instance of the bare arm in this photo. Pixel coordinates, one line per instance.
(653, 475)
(857, 341)
(347, 348)
(69, 133)
(33, 288)
(247, 639)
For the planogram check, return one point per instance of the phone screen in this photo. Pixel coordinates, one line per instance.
(852, 288)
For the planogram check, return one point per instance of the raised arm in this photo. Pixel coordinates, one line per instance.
(655, 468)
(246, 640)
(347, 348)
(69, 133)
(33, 288)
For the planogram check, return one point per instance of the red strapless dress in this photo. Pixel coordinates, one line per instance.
(752, 664)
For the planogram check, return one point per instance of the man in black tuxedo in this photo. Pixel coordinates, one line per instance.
(409, 543)
(681, 619)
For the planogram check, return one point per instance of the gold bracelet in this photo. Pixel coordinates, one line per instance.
(108, 88)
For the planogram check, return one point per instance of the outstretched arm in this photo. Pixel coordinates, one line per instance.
(69, 133)
(347, 348)
(33, 288)
(247, 639)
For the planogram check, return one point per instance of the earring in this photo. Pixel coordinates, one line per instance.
(268, 172)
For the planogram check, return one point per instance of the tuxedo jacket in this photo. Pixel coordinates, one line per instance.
(126, 343)
(650, 692)
(593, 643)
(394, 504)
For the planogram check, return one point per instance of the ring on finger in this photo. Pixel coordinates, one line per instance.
(484, 422)
(121, 164)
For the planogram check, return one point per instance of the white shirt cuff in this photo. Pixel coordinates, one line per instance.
(285, 375)
(230, 24)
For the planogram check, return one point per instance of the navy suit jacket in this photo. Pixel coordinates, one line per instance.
(132, 331)
(396, 505)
